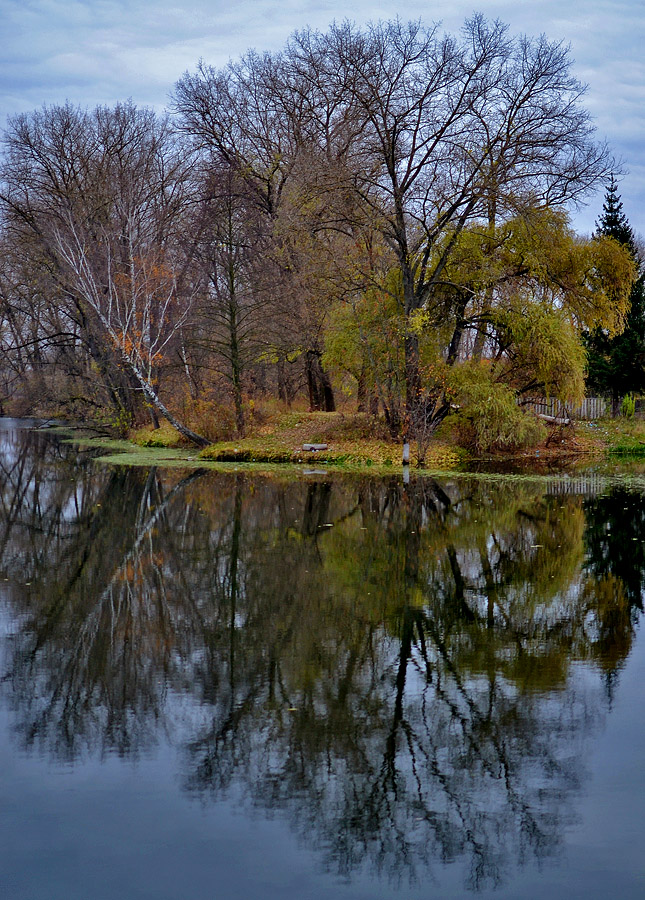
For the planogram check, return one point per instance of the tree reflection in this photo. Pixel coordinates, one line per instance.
(389, 665)
(412, 719)
(615, 549)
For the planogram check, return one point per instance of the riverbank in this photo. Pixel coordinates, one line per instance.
(338, 439)
(347, 442)
(354, 442)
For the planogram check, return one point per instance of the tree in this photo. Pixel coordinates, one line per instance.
(102, 195)
(410, 134)
(228, 246)
(616, 363)
(451, 131)
(530, 285)
(390, 165)
(248, 118)
(614, 222)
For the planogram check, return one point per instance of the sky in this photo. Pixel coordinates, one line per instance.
(101, 51)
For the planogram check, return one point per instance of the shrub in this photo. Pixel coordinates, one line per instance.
(488, 417)
(164, 436)
(213, 420)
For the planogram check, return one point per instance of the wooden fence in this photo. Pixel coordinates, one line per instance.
(585, 485)
(590, 408)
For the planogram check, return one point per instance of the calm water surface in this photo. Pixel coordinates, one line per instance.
(232, 686)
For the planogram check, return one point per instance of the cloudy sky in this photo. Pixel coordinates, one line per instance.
(101, 51)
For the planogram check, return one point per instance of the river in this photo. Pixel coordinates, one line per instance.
(230, 685)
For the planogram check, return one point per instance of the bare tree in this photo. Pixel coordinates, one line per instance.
(104, 194)
(230, 248)
(406, 131)
(254, 119)
(395, 135)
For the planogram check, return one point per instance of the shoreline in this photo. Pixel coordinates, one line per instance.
(606, 445)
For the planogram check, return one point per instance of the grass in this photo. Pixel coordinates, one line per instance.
(355, 443)
(616, 437)
(164, 436)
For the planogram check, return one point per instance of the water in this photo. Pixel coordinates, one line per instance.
(224, 685)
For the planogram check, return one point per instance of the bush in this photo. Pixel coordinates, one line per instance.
(164, 436)
(628, 406)
(212, 420)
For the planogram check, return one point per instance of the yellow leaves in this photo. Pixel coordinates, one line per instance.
(538, 257)
(366, 336)
(612, 274)
(418, 321)
(489, 417)
(476, 260)
(588, 279)
(545, 347)
(534, 242)
(269, 356)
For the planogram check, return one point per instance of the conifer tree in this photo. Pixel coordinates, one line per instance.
(616, 366)
(613, 222)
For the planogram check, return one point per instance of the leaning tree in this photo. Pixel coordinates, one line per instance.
(101, 196)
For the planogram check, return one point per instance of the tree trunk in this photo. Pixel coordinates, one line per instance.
(233, 314)
(283, 387)
(152, 397)
(119, 386)
(460, 324)
(412, 385)
(361, 391)
(236, 369)
(321, 393)
(487, 304)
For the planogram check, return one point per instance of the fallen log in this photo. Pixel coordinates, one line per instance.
(555, 420)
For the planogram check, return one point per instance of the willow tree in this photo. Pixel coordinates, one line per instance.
(532, 286)
(407, 131)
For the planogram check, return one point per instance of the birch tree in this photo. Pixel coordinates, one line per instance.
(104, 193)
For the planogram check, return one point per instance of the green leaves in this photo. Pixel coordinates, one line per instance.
(543, 349)
(488, 416)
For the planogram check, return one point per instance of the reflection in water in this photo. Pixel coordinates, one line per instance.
(403, 671)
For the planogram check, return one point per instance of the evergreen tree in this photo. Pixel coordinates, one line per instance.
(613, 222)
(616, 366)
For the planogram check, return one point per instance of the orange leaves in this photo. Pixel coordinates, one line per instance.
(149, 280)
(142, 309)
(139, 568)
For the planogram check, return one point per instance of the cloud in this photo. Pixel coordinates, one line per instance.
(101, 51)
